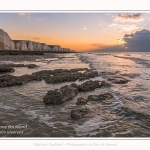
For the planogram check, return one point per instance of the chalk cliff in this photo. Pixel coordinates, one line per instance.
(31, 46)
(6, 43)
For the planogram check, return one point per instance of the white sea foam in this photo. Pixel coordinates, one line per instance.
(90, 126)
(6, 107)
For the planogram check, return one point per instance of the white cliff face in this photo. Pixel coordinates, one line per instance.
(56, 48)
(30, 46)
(21, 45)
(37, 46)
(5, 41)
(7, 44)
(46, 47)
(65, 49)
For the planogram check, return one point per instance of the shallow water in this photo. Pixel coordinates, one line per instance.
(127, 114)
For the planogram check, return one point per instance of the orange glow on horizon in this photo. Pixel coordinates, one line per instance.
(85, 44)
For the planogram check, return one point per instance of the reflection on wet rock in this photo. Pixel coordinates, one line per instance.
(60, 95)
(79, 113)
(118, 80)
(81, 101)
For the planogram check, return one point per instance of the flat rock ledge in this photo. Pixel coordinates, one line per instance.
(73, 75)
(60, 95)
(67, 92)
(9, 80)
(58, 75)
(118, 80)
(89, 86)
(100, 97)
(19, 65)
(79, 113)
(81, 101)
(6, 69)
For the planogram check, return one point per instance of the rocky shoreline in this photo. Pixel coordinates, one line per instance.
(67, 92)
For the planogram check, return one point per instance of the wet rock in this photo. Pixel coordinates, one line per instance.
(32, 66)
(105, 96)
(81, 101)
(93, 98)
(100, 97)
(88, 74)
(66, 71)
(41, 75)
(5, 78)
(6, 69)
(58, 76)
(9, 80)
(118, 80)
(78, 113)
(60, 95)
(19, 65)
(63, 77)
(106, 83)
(89, 85)
(131, 75)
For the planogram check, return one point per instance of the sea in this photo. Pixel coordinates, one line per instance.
(24, 114)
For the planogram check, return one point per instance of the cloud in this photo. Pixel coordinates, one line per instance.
(100, 45)
(25, 15)
(36, 38)
(136, 17)
(21, 14)
(129, 35)
(127, 22)
(129, 27)
(39, 18)
(84, 28)
(133, 42)
(113, 25)
(140, 41)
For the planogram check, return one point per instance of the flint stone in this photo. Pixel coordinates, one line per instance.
(61, 95)
(78, 113)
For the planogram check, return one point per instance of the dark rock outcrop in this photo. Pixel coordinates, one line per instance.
(118, 80)
(31, 66)
(100, 97)
(9, 80)
(88, 74)
(70, 75)
(60, 95)
(19, 65)
(69, 91)
(78, 113)
(63, 77)
(6, 69)
(81, 101)
(89, 85)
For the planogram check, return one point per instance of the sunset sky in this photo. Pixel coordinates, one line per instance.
(76, 30)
